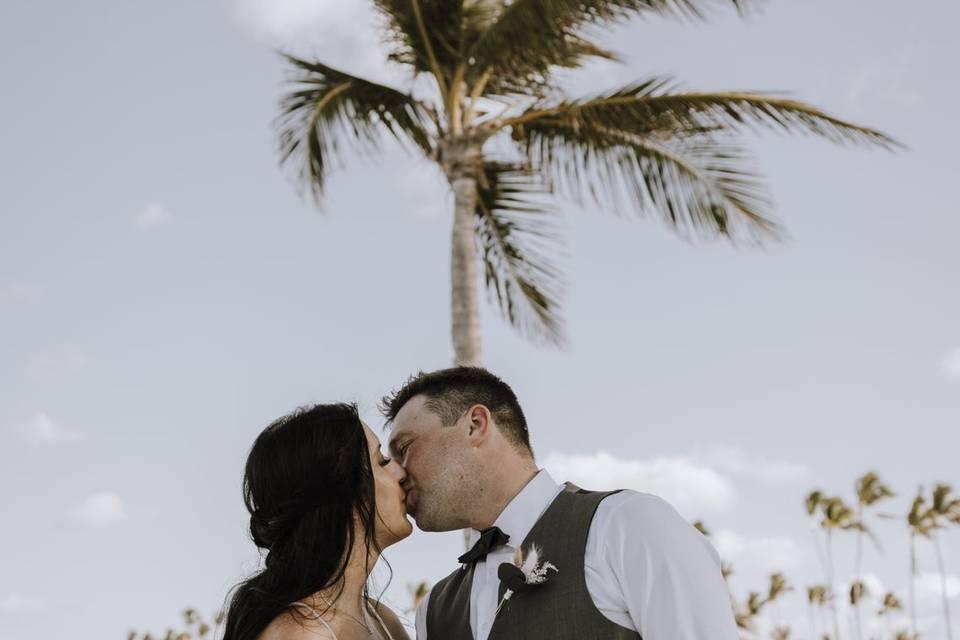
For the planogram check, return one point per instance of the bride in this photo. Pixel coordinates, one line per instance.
(324, 502)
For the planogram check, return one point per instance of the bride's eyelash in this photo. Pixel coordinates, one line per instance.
(385, 462)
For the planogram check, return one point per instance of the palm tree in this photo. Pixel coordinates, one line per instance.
(835, 516)
(702, 528)
(197, 628)
(812, 505)
(816, 598)
(890, 604)
(870, 490)
(943, 507)
(417, 593)
(780, 633)
(507, 137)
(752, 608)
(726, 570)
(858, 591)
(778, 587)
(920, 523)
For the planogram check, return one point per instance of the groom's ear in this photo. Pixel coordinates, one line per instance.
(479, 424)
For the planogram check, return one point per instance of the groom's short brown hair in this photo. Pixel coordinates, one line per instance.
(450, 392)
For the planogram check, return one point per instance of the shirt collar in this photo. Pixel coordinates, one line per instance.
(519, 516)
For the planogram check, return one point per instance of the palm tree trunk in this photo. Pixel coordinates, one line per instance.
(943, 586)
(813, 626)
(461, 163)
(461, 159)
(856, 576)
(825, 565)
(913, 587)
(832, 594)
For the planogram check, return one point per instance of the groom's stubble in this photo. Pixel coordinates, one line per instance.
(444, 502)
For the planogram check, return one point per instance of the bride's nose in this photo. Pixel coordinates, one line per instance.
(399, 472)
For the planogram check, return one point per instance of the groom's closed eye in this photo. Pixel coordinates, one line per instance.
(394, 449)
(399, 450)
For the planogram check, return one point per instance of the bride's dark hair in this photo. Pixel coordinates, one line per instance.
(309, 488)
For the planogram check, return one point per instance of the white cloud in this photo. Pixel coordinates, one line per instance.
(152, 215)
(343, 33)
(929, 587)
(66, 361)
(100, 510)
(735, 461)
(690, 487)
(759, 557)
(19, 293)
(43, 429)
(282, 21)
(951, 364)
(17, 605)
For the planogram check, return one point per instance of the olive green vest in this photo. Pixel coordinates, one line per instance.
(558, 609)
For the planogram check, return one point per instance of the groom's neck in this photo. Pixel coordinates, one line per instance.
(506, 479)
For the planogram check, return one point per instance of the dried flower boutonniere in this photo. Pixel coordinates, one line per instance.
(523, 574)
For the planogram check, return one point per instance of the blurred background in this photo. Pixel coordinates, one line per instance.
(165, 292)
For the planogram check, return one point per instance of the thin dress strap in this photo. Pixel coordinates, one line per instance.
(383, 625)
(315, 615)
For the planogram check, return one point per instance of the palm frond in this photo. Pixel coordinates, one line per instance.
(655, 101)
(530, 37)
(425, 34)
(518, 239)
(699, 183)
(329, 108)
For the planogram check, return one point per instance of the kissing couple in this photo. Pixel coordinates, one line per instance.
(547, 561)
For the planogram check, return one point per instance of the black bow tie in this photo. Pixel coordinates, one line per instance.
(489, 540)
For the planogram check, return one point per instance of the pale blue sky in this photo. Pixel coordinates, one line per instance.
(164, 294)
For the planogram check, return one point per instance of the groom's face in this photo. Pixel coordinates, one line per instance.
(434, 456)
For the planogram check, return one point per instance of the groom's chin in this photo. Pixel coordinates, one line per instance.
(422, 524)
(432, 527)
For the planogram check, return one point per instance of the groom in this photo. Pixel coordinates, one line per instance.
(627, 565)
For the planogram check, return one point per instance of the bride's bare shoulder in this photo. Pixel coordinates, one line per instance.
(289, 626)
(394, 626)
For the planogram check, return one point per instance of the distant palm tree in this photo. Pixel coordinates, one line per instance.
(870, 490)
(858, 591)
(835, 515)
(890, 604)
(920, 522)
(417, 593)
(944, 508)
(506, 137)
(746, 616)
(816, 598)
(780, 633)
(812, 505)
(702, 528)
(778, 587)
(196, 628)
(726, 569)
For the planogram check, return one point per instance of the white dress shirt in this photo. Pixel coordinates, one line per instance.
(647, 569)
